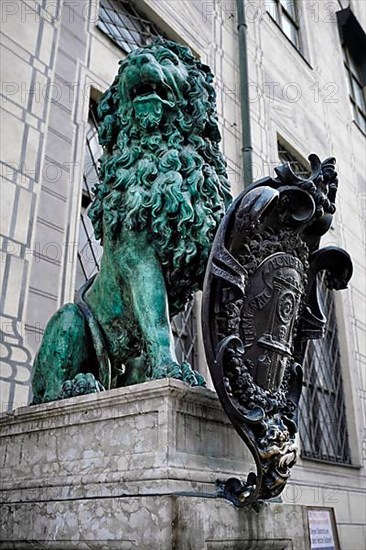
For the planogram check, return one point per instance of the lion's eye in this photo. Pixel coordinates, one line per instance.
(167, 59)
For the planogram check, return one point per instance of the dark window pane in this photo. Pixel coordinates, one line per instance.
(89, 249)
(361, 121)
(353, 66)
(349, 82)
(355, 88)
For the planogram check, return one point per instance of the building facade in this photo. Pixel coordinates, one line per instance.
(307, 79)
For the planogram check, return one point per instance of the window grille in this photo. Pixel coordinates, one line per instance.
(323, 426)
(185, 334)
(353, 39)
(284, 13)
(298, 165)
(89, 249)
(356, 89)
(120, 21)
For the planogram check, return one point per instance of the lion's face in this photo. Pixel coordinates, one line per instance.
(152, 80)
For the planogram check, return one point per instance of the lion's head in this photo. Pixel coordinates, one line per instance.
(162, 170)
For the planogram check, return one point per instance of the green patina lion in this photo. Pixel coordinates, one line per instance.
(164, 191)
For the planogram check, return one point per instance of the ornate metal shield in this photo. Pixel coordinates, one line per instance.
(260, 306)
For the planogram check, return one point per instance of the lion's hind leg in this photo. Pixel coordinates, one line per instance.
(64, 353)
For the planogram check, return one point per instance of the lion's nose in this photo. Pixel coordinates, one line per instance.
(143, 58)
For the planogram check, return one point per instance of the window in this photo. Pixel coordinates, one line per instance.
(323, 427)
(119, 20)
(299, 166)
(356, 89)
(185, 334)
(353, 40)
(284, 12)
(89, 249)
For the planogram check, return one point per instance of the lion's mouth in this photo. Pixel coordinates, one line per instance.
(152, 89)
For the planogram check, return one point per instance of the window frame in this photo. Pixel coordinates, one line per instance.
(357, 112)
(316, 437)
(286, 154)
(353, 42)
(139, 24)
(86, 199)
(281, 12)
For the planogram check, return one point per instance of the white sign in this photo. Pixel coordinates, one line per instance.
(321, 530)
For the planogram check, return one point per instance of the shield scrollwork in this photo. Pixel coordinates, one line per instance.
(260, 306)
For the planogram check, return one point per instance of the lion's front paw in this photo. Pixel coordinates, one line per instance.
(82, 384)
(191, 376)
(168, 370)
(182, 372)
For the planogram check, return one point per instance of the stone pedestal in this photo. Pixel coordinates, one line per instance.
(132, 468)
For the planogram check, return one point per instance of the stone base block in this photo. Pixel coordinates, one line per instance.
(153, 523)
(132, 468)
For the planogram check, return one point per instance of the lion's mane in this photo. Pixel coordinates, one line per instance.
(171, 183)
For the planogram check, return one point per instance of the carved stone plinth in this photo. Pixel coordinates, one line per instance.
(132, 468)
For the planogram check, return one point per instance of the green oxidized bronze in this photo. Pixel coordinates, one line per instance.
(162, 195)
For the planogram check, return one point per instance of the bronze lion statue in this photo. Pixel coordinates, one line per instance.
(163, 192)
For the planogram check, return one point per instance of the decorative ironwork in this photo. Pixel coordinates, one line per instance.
(261, 306)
